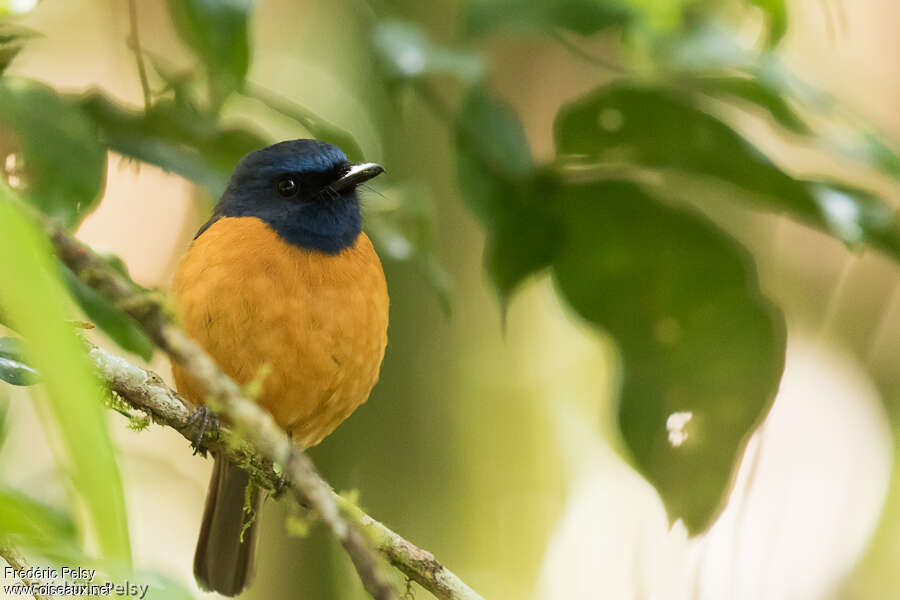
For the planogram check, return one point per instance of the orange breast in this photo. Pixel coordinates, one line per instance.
(316, 322)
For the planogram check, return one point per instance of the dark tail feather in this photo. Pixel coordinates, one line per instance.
(222, 563)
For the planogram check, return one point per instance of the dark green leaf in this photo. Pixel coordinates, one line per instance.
(702, 349)
(581, 16)
(655, 128)
(120, 327)
(498, 181)
(216, 30)
(405, 52)
(175, 138)
(492, 132)
(14, 367)
(34, 524)
(64, 162)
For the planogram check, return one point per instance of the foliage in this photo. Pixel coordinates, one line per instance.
(33, 299)
(630, 256)
(699, 341)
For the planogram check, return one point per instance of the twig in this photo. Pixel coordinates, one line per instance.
(584, 55)
(17, 562)
(253, 423)
(138, 53)
(146, 391)
(266, 444)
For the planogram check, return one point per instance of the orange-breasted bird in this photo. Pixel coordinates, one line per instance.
(282, 280)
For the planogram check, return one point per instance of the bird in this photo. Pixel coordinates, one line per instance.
(281, 286)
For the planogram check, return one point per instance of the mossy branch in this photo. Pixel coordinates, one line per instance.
(260, 443)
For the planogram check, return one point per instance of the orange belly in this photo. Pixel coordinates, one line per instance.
(316, 322)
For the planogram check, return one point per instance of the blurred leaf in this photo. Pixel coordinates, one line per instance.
(405, 52)
(581, 16)
(216, 30)
(174, 138)
(493, 132)
(34, 301)
(655, 128)
(706, 49)
(4, 414)
(14, 368)
(34, 524)
(115, 262)
(121, 328)
(754, 91)
(776, 18)
(703, 351)
(856, 216)
(399, 220)
(64, 163)
(498, 181)
(871, 150)
(12, 41)
(318, 127)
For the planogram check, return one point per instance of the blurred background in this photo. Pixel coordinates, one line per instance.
(492, 438)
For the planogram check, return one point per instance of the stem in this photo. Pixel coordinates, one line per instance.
(138, 53)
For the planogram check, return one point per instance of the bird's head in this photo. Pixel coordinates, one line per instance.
(305, 190)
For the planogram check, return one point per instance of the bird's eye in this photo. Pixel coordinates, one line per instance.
(286, 186)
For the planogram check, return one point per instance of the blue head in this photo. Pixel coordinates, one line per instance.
(305, 190)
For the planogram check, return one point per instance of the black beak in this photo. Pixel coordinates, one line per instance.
(358, 173)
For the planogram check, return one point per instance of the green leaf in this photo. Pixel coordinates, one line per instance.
(405, 52)
(399, 220)
(318, 127)
(703, 351)
(120, 327)
(175, 138)
(581, 16)
(656, 128)
(64, 163)
(757, 92)
(499, 182)
(33, 299)
(12, 41)
(34, 524)
(776, 15)
(216, 30)
(14, 368)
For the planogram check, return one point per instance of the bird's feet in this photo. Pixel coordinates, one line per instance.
(206, 421)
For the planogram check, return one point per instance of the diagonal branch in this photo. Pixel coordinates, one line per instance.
(145, 390)
(17, 562)
(256, 442)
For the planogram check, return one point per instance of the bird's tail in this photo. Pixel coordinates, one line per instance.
(223, 561)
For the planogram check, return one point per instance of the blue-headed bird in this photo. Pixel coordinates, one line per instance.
(281, 284)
